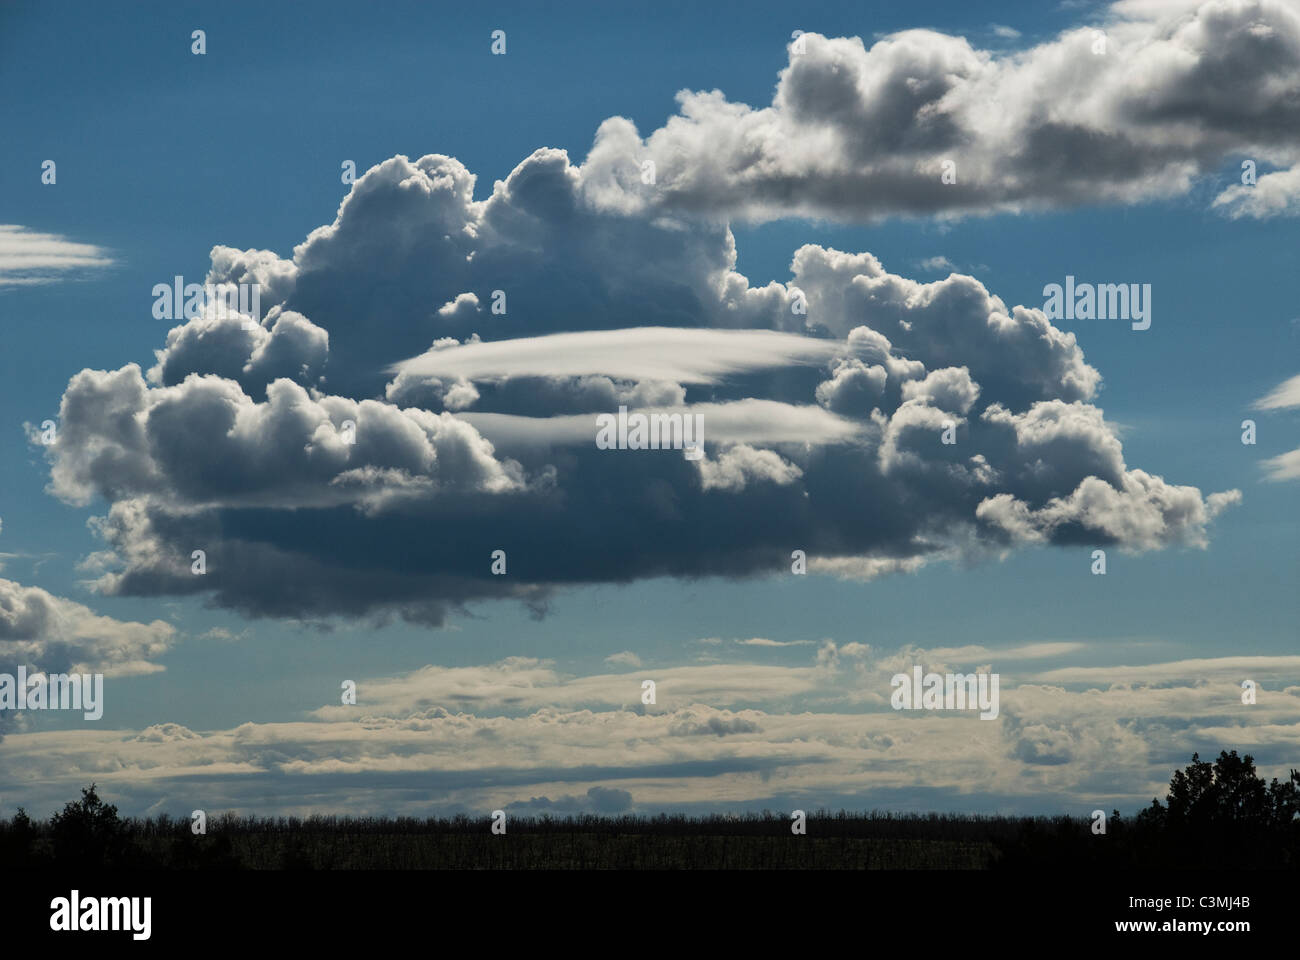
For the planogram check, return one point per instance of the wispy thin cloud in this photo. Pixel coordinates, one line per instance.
(1192, 669)
(1285, 395)
(28, 257)
(1285, 466)
(756, 642)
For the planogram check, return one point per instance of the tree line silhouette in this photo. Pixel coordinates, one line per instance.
(1219, 814)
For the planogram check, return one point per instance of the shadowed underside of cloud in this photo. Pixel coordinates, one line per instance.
(423, 387)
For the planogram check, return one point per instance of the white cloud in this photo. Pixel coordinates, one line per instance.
(1285, 466)
(1205, 668)
(1284, 395)
(1272, 195)
(49, 633)
(857, 131)
(683, 355)
(507, 733)
(625, 658)
(28, 257)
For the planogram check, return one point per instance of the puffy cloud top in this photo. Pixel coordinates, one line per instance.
(1130, 110)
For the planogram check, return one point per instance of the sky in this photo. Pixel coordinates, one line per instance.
(845, 248)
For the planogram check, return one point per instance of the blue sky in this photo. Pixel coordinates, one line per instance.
(163, 155)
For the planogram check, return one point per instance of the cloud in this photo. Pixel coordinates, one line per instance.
(625, 658)
(1272, 195)
(1202, 668)
(1283, 396)
(706, 722)
(1285, 466)
(647, 353)
(423, 388)
(863, 132)
(518, 685)
(750, 421)
(1063, 740)
(1286, 395)
(48, 633)
(599, 800)
(28, 257)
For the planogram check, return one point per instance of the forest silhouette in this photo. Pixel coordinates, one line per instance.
(1215, 815)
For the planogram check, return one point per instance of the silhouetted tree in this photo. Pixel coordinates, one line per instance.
(1215, 814)
(16, 841)
(1224, 813)
(88, 832)
(1284, 798)
(1223, 793)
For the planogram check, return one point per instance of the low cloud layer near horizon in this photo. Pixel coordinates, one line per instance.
(522, 735)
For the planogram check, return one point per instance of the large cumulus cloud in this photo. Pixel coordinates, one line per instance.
(422, 389)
